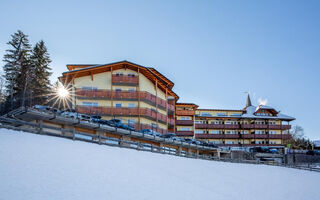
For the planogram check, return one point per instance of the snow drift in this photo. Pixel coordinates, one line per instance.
(43, 167)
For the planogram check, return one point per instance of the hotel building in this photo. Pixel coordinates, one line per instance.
(139, 96)
(143, 97)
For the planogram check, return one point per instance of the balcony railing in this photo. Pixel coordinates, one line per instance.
(134, 112)
(265, 126)
(242, 136)
(218, 126)
(184, 122)
(184, 133)
(185, 112)
(125, 95)
(124, 80)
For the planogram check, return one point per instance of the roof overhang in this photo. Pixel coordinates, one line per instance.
(87, 70)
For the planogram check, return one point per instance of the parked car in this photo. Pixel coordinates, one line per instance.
(115, 123)
(313, 152)
(180, 139)
(192, 141)
(128, 127)
(46, 108)
(84, 117)
(274, 151)
(150, 132)
(95, 118)
(168, 135)
(69, 113)
(260, 150)
(211, 144)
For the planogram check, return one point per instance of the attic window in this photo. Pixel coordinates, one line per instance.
(131, 75)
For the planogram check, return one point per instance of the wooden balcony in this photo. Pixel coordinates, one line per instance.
(266, 126)
(124, 80)
(125, 95)
(231, 126)
(266, 136)
(184, 122)
(134, 112)
(231, 136)
(285, 127)
(185, 112)
(218, 126)
(184, 133)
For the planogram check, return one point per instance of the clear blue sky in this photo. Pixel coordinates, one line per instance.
(213, 51)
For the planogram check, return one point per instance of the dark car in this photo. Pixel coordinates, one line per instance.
(180, 139)
(95, 118)
(115, 123)
(211, 144)
(192, 141)
(150, 132)
(313, 152)
(146, 131)
(128, 127)
(168, 135)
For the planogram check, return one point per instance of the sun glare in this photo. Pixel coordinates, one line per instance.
(63, 92)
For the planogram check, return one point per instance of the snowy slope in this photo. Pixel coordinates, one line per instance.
(43, 167)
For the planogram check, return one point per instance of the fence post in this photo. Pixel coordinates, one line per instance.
(73, 133)
(160, 148)
(40, 127)
(179, 151)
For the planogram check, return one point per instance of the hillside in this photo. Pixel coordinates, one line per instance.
(42, 167)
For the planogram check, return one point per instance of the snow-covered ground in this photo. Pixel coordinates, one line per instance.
(43, 167)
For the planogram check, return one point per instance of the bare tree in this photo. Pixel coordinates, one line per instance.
(297, 132)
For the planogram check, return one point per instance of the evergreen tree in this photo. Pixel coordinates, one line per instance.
(17, 69)
(41, 87)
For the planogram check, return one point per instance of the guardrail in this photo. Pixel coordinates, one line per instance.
(98, 139)
(38, 128)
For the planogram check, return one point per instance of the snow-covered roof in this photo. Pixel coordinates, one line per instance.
(250, 113)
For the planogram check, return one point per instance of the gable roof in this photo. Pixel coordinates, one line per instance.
(86, 70)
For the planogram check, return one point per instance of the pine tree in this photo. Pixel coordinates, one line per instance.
(17, 69)
(41, 87)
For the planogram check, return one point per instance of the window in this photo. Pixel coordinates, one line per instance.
(230, 122)
(153, 125)
(118, 90)
(199, 131)
(132, 75)
(229, 142)
(259, 132)
(221, 114)
(272, 122)
(131, 105)
(235, 114)
(184, 129)
(214, 132)
(118, 105)
(272, 132)
(216, 122)
(205, 114)
(231, 132)
(89, 104)
(89, 88)
(244, 132)
(199, 122)
(185, 118)
(119, 74)
(131, 90)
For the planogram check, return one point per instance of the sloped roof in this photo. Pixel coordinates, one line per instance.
(150, 73)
